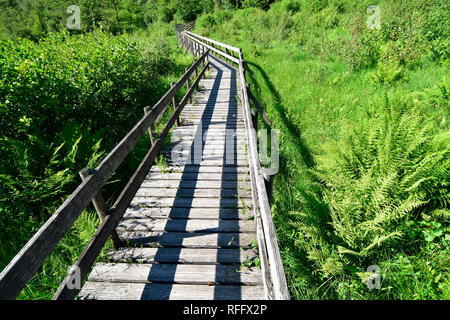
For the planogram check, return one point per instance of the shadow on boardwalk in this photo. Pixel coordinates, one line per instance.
(187, 194)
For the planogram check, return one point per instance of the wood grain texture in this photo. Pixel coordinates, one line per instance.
(191, 225)
(187, 213)
(189, 240)
(182, 256)
(183, 274)
(141, 291)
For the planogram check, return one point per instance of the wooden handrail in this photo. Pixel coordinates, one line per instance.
(92, 250)
(25, 264)
(235, 60)
(275, 286)
(237, 50)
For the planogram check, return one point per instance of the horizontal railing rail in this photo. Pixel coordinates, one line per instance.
(31, 257)
(275, 284)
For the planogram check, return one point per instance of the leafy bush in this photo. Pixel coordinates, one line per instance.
(64, 102)
(388, 73)
(379, 176)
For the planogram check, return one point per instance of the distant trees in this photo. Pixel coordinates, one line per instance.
(35, 18)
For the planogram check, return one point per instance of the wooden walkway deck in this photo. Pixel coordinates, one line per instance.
(190, 227)
(199, 225)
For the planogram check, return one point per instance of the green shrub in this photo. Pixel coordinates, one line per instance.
(362, 50)
(388, 73)
(378, 176)
(64, 102)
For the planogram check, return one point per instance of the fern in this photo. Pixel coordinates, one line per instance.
(382, 173)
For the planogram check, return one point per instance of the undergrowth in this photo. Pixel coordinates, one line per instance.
(364, 145)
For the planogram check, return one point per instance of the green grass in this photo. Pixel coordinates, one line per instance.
(44, 284)
(315, 97)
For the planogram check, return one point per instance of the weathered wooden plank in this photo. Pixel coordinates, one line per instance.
(141, 291)
(172, 273)
(219, 139)
(210, 158)
(190, 184)
(228, 154)
(207, 112)
(188, 140)
(185, 121)
(213, 114)
(182, 134)
(229, 148)
(201, 169)
(182, 255)
(203, 240)
(220, 125)
(198, 176)
(136, 212)
(196, 193)
(189, 225)
(191, 202)
(228, 143)
(209, 118)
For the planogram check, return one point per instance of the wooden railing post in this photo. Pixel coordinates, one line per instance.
(174, 102)
(254, 113)
(196, 74)
(268, 181)
(188, 86)
(99, 205)
(151, 129)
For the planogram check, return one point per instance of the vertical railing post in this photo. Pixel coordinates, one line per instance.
(188, 86)
(204, 62)
(253, 112)
(151, 130)
(174, 102)
(100, 207)
(196, 72)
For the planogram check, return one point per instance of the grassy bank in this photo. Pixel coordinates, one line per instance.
(65, 102)
(364, 159)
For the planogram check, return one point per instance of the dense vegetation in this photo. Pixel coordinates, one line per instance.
(363, 115)
(65, 102)
(364, 177)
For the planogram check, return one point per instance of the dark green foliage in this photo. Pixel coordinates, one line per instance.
(65, 102)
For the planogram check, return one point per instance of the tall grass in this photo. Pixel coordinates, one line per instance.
(364, 159)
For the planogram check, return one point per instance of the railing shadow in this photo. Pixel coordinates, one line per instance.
(294, 131)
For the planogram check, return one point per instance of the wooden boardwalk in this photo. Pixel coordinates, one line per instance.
(190, 228)
(195, 226)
